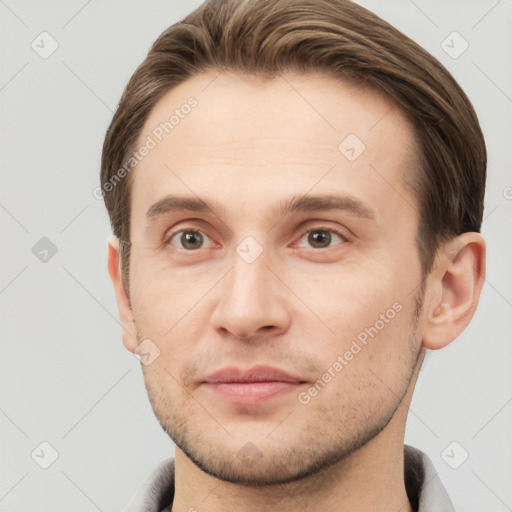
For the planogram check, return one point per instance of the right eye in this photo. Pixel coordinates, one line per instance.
(189, 239)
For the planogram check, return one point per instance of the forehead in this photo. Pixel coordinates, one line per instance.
(238, 137)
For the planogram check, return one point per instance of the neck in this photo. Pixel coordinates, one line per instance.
(371, 478)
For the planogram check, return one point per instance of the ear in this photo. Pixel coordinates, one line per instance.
(455, 285)
(129, 331)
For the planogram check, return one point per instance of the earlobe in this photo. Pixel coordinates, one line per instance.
(129, 332)
(457, 279)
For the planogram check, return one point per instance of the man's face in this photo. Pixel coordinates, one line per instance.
(328, 295)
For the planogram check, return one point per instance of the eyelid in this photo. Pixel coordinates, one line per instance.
(338, 232)
(205, 239)
(169, 235)
(190, 224)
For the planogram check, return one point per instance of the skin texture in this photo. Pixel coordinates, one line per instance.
(251, 147)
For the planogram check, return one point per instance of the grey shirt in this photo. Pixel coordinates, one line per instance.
(424, 489)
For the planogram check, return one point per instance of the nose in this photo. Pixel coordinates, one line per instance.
(252, 302)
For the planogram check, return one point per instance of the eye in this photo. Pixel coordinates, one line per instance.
(322, 238)
(189, 239)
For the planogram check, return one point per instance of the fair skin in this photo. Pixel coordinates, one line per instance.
(323, 276)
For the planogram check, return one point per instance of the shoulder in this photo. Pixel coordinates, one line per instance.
(156, 492)
(424, 488)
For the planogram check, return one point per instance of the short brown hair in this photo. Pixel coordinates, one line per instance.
(264, 38)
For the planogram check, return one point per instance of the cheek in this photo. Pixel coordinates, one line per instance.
(172, 315)
(364, 315)
(165, 394)
(350, 298)
(367, 372)
(163, 297)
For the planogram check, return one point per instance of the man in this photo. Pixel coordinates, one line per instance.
(296, 192)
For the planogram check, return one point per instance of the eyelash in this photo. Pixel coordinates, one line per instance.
(343, 236)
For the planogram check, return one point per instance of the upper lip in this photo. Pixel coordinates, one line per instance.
(255, 374)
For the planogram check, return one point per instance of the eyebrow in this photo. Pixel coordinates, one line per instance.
(183, 203)
(326, 202)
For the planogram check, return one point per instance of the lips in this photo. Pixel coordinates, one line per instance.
(253, 386)
(255, 374)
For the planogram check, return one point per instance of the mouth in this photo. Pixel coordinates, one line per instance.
(251, 387)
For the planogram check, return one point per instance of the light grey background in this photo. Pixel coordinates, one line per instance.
(66, 378)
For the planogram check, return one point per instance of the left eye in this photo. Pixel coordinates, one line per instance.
(190, 240)
(322, 238)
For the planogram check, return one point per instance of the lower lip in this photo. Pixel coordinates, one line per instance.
(251, 393)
